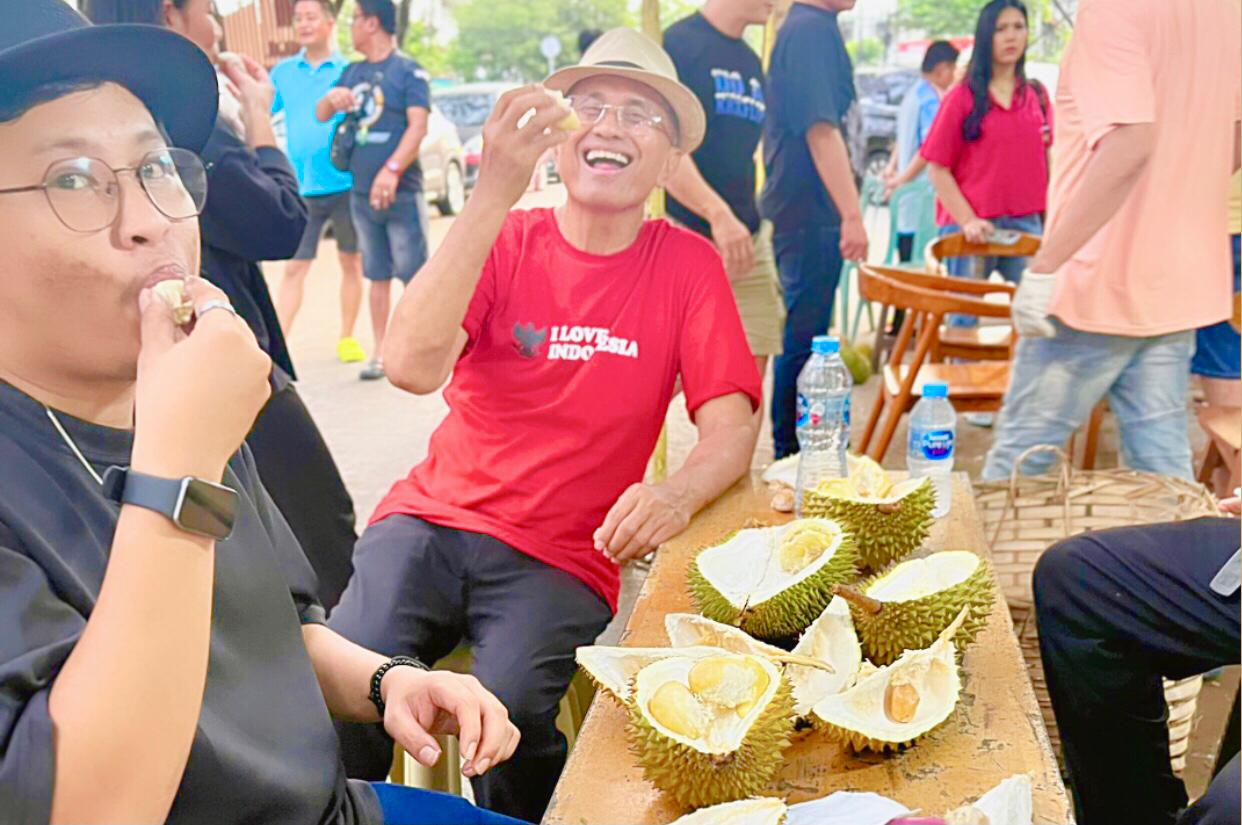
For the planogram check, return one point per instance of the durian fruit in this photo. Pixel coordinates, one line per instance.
(761, 811)
(707, 725)
(773, 581)
(830, 639)
(1009, 803)
(906, 606)
(172, 292)
(888, 521)
(893, 706)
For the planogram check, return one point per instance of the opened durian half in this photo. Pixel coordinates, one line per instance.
(888, 521)
(707, 725)
(908, 605)
(763, 811)
(773, 581)
(891, 707)
(830, 639)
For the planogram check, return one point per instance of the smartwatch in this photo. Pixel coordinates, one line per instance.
(194, 505)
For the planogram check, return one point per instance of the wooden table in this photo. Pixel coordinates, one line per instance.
(995, 731)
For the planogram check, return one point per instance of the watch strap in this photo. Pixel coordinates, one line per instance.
(395, 661)
(124, 486)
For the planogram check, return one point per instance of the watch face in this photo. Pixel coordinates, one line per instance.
(208, 509)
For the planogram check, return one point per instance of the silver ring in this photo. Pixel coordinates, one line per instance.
(215, 303)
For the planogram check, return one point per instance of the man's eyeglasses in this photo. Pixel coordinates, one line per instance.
(633, 118)
(85, 193)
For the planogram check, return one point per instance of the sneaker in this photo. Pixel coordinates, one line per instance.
(372, 371)
(980, 419)
(349, 351)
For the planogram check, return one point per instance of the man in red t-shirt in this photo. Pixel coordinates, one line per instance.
(565, 331)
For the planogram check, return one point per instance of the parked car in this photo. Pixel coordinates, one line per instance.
(880, 92)
(468, 106)
(443, 158)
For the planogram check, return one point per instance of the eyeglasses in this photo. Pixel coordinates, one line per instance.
(633, 118)
(85, 193)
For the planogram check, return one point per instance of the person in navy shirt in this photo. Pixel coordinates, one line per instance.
(810, 195)
(300, 82)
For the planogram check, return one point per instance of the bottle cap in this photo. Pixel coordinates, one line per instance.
(936, 389)
(825, 344)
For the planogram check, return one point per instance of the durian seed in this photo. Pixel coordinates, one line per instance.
(901, 702)
(676, 708)
(859, 600)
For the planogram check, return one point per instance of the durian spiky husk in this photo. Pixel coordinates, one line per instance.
(888, 521)
(741, 581)
(830, 638)
(734, 760)
(859, 716)
(762, 811)
(920, 597)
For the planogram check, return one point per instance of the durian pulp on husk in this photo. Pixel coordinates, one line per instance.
(830, 638)
(860, 716)
(613, 668)
(736, 751)
(1009, 803)
(747, 581)
(920, 598)
(888, 521)
(763, 811)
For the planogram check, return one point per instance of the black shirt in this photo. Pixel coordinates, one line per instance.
(386, 89)
(265, 750)
(810, 80)
(253, 213)
(727, 77)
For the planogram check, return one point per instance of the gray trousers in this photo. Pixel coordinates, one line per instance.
(419, 590)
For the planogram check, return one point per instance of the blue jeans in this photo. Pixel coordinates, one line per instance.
(1057, 381)
(1010, 268)
(809, 261)
(1218, 346)
(414, 806)
(393, 240)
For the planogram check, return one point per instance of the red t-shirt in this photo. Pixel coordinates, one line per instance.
(557, 401)
(1005, 171)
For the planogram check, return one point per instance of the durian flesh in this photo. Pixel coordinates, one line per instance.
(773, 581)
(927, 680)
(763, 811)
(919, 598)
(703, 751)
(830, 639)
(888, 521)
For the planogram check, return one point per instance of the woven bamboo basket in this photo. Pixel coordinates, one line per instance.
(1025, 515)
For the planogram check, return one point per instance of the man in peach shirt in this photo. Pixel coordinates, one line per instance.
(1135, 257)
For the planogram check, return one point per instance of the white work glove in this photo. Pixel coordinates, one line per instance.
(1030, 306)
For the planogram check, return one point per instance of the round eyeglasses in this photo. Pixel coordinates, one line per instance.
(85, 193)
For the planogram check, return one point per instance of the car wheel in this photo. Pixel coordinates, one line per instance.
(454, 191)
(877, 160)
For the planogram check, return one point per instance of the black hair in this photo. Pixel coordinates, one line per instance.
(585, 38)
(150, 12)
(385, 10)
(979, 75)
(325, 5)
(13, 107)
(941, 51)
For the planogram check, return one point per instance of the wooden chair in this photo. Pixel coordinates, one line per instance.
(973, 387)
(1223, 426)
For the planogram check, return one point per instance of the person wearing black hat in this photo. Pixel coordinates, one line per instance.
(254, 213)
(162, 655)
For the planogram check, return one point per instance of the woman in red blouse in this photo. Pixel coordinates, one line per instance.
(987, 150)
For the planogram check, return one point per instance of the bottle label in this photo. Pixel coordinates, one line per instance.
(847, 415)
(936, 444)
(809, 415)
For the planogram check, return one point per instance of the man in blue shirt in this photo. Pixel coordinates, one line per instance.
(914, 120)
(810, 195)
(300, 82)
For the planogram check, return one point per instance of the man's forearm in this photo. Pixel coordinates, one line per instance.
(832, 162)
(1112, 172)
(407, 148)
(691, 190)
(344, 671)
(125, 706)
(917, 165)
(717, 461)
(424, 329)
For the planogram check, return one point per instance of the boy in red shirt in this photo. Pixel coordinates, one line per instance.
(565, 331)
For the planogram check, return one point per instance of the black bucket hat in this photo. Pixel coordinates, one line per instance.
(46, 41)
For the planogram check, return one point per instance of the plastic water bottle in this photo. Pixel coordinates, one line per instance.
(824, 387)
(933, 431)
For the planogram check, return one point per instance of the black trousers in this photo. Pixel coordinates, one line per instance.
(298, 471)
(1118, 610)
(420, 589)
